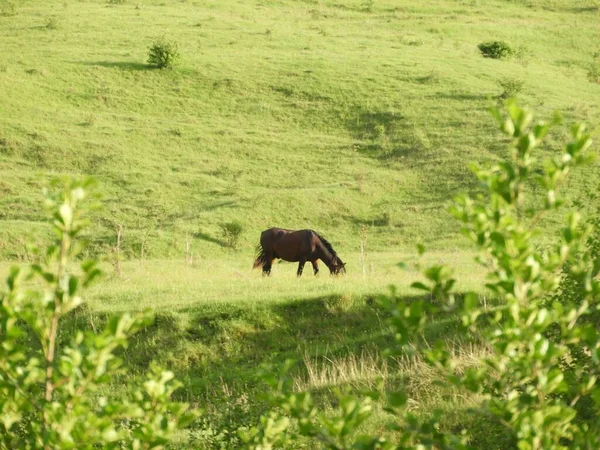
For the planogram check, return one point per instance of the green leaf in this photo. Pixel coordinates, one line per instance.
(66, 214)
(498, 238)
(73, 284)
(508, 127)
(540, 130)
(421, 286)
(13, 277)
(92, 275)
(471, 302)
(495, 112)
(397, 399)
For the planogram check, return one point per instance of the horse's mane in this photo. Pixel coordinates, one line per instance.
(326, 244)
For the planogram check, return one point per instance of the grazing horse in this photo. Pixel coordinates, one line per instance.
(300, 246)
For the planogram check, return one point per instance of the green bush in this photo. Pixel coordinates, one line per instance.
(231, 232)
(368, 5)
(7, 9)
(495, 49)
(511, 87)
(50, 384)
(52, 23)
(572, 287)
(163, 53)
(593, 73)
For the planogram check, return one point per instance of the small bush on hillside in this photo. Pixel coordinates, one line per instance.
(52, 23)
(523, 55)
(511, 86)
(495, 49)
(368, 5)
(8, 9)
(593, 74)
(163, 53)
(231, 232)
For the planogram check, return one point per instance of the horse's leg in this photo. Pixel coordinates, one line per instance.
(268, 263)
(315, 265)
(301, 267)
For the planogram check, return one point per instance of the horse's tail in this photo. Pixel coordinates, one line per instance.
(261, 257)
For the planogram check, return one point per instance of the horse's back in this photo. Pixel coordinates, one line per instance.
(276, 234)
(272, 235)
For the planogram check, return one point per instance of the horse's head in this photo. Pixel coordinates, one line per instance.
(337, 266)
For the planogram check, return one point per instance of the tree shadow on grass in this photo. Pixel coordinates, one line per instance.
(217, 349)
(387, 136)
(463, 96)
(221, 204)
(584, 9)
(123, 65)
(245, 337)
(208, 238)
(371, 124)
(236, 338)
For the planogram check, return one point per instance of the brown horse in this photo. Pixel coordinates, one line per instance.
(296, 246)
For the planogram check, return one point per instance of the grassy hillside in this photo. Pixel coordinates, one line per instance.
(346, 116)
(322, 114)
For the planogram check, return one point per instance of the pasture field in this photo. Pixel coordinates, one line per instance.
(330, 115)
(217, 322)
(172, 285)
(357, 118)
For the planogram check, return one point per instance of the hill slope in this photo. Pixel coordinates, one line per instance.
(322, 114)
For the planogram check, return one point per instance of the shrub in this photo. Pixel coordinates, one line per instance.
(593, 73)
(572, 287)
(48, 387)
(163, 53)
(231, 232)
(52, 23)
(368, 5)
(495, 49)
(8, 9)
(511, 86)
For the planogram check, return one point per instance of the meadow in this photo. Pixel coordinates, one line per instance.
(356, 118)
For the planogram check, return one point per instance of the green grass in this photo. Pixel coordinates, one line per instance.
(172, 285)
(329, 115)
(338, 115)
(218, 322)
